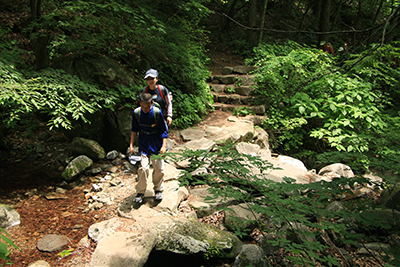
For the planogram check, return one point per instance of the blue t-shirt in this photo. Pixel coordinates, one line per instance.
(152, 135)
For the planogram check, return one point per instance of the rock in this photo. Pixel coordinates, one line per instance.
(226, 79)
(261, 138)
(374, 179)
(335, 206)
(296, 233)
(259, 109)
(390, 197)
(76, 167)
(218, 88)
(266, 243)
(205, 208)
(244, 90)
(102, 229)
(173, 196)
(90, 148)
(192, 134)
(338, 168)
(199, 144)
(251, 255)
(190, 236)
(227, 70)
(373, 246)
(39, 263)
(240, 217)
(112, 155)
(223, 98)
(244, 69)
(124, 249)
(247, 149)
(234, 100)
(51, 243)
(8, 217)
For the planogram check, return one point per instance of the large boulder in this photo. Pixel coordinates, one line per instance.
(76, 167)
(190, 237)
(337, 170)
(87, 147)
(251, 255)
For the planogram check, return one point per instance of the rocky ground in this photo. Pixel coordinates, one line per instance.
(29, 184)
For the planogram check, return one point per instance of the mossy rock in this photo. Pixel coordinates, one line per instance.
(191, 237)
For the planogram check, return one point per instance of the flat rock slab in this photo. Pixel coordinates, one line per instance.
(124, 249)
(192, 134)
(51, 243)
(199, 144)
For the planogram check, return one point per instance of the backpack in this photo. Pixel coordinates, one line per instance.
(156, 113)
(162, 91)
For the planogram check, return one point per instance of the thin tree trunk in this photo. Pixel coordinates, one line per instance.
(303, 17)
(35, 9)
(252, 34)
(378, 10)
(260, 36)
(324, 20)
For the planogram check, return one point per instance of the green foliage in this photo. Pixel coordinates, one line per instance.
(291, 210)
(189, 109)
(314, 106)
(229, 90)
(168, 36)
(66, 252)
(242, 111)
(60, 96)
(4, 244)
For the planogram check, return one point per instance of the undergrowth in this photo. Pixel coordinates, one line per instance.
(299, 215)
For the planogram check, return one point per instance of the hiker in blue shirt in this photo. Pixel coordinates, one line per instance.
(148, 121)
(160, 94)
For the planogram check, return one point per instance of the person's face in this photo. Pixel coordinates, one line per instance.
(146, 106)
(151, 82)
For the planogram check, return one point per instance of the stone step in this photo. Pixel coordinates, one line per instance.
(257, 109)
(237, 70)
(234, 79)
(240, 90)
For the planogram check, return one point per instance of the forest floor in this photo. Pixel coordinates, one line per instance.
(26, 182)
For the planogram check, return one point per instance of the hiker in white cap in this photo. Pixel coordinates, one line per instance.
(160, 94)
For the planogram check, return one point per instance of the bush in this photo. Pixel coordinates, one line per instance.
(315, 106)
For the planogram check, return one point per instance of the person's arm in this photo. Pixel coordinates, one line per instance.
(168, 104)
(133, 138)
(164, 146)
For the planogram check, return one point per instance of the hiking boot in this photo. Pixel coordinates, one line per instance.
(158, 195)
(139, 198)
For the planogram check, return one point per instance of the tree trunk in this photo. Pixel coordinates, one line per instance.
(262, 22)
(252, 34)
(324, 20)
(35, 9)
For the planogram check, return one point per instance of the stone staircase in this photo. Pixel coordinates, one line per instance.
(234, 88)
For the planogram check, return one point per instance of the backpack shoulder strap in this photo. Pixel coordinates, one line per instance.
(156, 113)
(137, 114)
(162, 91)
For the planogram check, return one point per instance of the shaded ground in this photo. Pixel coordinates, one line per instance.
(26, 180)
